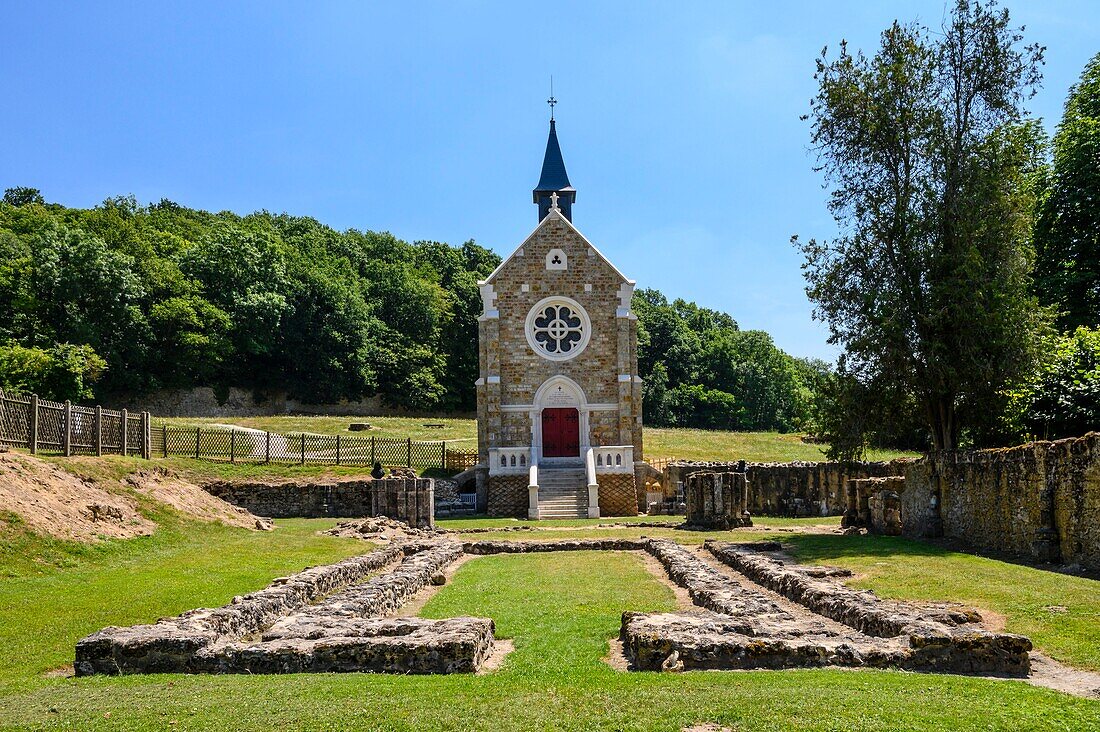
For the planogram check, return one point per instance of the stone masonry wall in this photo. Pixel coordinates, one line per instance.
(793, 489)
(508, 496)
(1040, 500)
(617, 494)
(716, 500)
(505, 353)
(408, 500)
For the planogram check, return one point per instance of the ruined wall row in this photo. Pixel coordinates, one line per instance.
(409, 500)
(1040, 500)
(796, 488)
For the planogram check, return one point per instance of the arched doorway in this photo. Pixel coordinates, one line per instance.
(559, 421)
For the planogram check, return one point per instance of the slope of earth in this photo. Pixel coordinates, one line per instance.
(47, 499)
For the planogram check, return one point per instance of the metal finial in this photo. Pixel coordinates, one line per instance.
(551, 101)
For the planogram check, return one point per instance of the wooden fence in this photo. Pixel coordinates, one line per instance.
(44, 426)
(256, 446)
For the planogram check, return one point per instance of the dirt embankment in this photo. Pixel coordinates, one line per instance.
(53, 501)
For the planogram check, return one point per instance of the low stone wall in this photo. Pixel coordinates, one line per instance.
(791, 489)
(408, 500)
(1040, 500)
(938, 638)
(344, 631)
(618, 496)
(747, 627)
(169, 644)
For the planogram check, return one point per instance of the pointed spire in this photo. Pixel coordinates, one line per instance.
(554, 179)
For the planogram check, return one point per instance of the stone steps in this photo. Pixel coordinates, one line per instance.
(563, 493)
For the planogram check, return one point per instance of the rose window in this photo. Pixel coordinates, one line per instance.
(558, 328)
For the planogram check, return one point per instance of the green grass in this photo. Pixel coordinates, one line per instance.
(685, 444)
(763, 447)
(559, 609)
(54, 592)
(462, 431)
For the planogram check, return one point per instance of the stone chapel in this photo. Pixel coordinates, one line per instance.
(559, 399)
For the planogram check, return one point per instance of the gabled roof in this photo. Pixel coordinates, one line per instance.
(555, 212)
(554, 177)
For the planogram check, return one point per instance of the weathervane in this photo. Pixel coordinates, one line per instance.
(551, 101)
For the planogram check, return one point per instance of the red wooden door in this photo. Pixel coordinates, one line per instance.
(561, 432)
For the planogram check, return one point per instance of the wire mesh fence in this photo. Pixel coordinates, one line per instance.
(250, 445)
(44, 426)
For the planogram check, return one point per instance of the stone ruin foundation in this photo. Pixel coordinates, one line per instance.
(753, 611)
(329, 618)
(825, 624)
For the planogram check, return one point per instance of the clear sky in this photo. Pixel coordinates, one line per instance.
(678, 120)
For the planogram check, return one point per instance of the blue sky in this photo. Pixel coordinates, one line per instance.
(678, 121)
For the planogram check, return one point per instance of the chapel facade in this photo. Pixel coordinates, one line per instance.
(559, 398)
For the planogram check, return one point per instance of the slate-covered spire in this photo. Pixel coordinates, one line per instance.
(554, 179)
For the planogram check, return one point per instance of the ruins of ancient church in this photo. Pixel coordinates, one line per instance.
(559, 398)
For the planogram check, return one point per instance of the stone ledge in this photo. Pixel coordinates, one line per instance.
(394, 645)
(715, 641)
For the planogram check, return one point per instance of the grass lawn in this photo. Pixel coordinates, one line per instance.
(761, 447)
(560, 610)
(686, 444)
(459, 430)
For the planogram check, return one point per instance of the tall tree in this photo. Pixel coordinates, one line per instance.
(928, 161)
(1067, 237)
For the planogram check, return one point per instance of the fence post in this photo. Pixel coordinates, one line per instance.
(303, 448)
(146, 435)
(267, 451)
(372, 450)
(124, 443)
(443, 461)
(337, 449)
(232, 446)
(164, 433)
(409, 459)
(67, 440)
(32, 428)
(98, 430)
(198, 438)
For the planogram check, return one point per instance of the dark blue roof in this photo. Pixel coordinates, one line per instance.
(554, 177)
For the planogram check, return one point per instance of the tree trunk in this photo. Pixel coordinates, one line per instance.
(941, 419)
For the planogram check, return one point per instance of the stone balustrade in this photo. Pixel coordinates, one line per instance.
(510, 460)
(614, 459)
